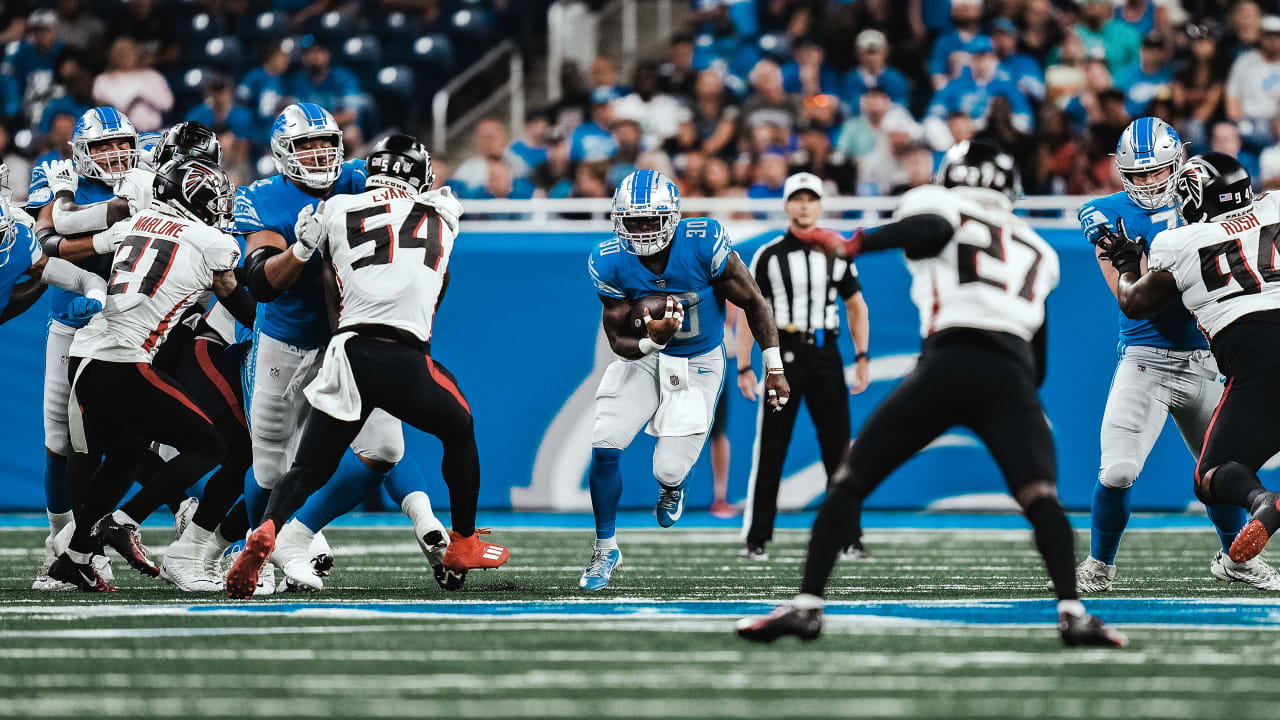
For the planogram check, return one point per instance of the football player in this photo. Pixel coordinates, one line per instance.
(1223, 265)
(173, 252)
(980, 276)
(671, 377)
(387, 252)
(1165, 367)
(285, 277)
(20, 257)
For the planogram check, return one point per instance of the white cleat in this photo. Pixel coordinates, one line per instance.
(266, 576)
(320, 554)
(192, 565)
(1255, 572)
(43, 582)
(182, 518)
(293, 554)
(1092, 576)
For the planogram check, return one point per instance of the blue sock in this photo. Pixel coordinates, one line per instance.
(57, 498)
(605, 477)
(255, 499)
(344, 491)
(1227, 519)
(406, 477)
(1109, 517)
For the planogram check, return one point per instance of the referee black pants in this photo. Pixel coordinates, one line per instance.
(816, 375)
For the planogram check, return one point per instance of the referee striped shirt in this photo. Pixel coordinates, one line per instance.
(802, 284)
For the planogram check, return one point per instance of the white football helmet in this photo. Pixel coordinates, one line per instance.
(1148, 144)
(646, 210)
(98, 125)
(4, 180)
(147, 144)
(317, 168)
(8, 230)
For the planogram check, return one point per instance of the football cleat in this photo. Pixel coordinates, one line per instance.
(724, 509)
(43, 582)
(600, 569)
(82, 577)
(102, 564)
(1255, 572)
(125, 539)
(434, 544)
(242, 578)
(1091, 576)
(187, 566)
(1264, 523)
(293, 555)
(321, 555)
(266, 576)
(855, 551)
(472, 553)
(182, 518)
(784, 620)
(753, 552)
(670, 504)
(1088, 630)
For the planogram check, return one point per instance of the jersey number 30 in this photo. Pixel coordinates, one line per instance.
(421, 219)
(967, 257)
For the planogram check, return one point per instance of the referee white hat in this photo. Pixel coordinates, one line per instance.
(802, 181)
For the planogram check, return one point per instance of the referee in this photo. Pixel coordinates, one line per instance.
(801, 284)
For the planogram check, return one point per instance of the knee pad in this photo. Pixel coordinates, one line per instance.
(270, 462)
(380, 440)
(671, 471)
(1118, 475)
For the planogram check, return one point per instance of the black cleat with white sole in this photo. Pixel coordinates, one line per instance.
(784, 620)
(125, 539)
(1087, 630)
(83, 576)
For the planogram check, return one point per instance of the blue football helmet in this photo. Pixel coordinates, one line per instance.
(98, 125)
(646, 210)
(316, 168)
(8, 230)
(1148, 144)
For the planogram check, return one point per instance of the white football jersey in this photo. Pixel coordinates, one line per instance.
(1225, 269)
(994, 273)
(160, 269)
(390, 250)
(137, 186)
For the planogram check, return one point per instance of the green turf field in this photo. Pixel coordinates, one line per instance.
(380, 642)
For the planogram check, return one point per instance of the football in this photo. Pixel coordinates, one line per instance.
(655, 304)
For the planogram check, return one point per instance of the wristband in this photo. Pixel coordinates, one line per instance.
(772, 360)
(97, 294)
(649, 347)
(744, 370)
(861, 355)
(302, 252)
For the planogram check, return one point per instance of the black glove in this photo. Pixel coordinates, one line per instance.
(1124, 253)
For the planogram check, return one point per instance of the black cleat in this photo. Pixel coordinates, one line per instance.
(784, 620)
(322, 564)
(1088, 630)
(125, 540)
(84, 577)
(450, 580)
(855, 551)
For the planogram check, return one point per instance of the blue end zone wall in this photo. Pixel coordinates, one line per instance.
(519, 328)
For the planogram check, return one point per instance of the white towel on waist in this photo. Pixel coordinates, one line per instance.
(334, 391)
(681, 410)
(75, 416)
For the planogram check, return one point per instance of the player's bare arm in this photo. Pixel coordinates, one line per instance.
(23, 296)
(860, 332)
(747, 381)
(660, 330)
(224, 283)
(737, 286)
(1143, 296)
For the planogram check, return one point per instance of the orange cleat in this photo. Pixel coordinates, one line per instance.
(472, 553)
(242, 579)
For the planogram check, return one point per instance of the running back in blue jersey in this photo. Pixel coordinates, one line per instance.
(699, 253)
(298, 316)
(88, 193)
(24, 253)
(1174, 326)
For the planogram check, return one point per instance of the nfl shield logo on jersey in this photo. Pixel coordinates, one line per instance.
(675, 381)
(661, 283)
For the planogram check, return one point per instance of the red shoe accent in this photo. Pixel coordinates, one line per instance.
(1249, 542)
(722, 509)
(472, 553)
(242, 579)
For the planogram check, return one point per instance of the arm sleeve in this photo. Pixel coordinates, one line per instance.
(83, 220)
(847, 279)
(919, 236)
(61, 274)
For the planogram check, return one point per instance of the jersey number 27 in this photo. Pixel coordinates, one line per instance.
(967, 258)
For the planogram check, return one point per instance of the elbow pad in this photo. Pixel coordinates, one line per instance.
(49, 240)
(256, 269)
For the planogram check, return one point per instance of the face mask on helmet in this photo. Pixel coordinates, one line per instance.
(197, 190)
(1148, 148)
(646, 211)
(104, 145)
(306, 144)
(8, 231)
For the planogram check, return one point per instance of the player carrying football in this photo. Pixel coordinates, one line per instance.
(669, 374)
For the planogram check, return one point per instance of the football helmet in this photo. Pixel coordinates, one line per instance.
(4, 179)
(1148, 144)
(316, 168)
(195, 189)
(188, 139)
(978, 164)
(1213, 185)
(98, 125)
(646, 211)
(400, 161)
(147, 144)
(8, 230)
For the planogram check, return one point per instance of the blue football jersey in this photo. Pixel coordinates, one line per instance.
(88, 193)
(1174, 326)
(24, 253)
(699, 253)
(298, 315)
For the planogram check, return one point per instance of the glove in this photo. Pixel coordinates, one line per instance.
(61, 175)
(309, 231)
(137, 197)
(830, 241)
(83, 308)
(1125, 253)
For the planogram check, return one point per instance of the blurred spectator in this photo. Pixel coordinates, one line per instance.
(591, 141)
(331, 87)
(532, 148)
(1099, 28)
(1226, 139)
(716, 181)
(714, 118)
(220, 109)
(951, 50)
(1151, 76)
(1146, 16)
(658, 115)
(1269, 161)
(917, 163)
(264, 90)
(626, 140)
(150, 28)
(769, 104)
(589, 182)
(235, 155)
(677, 76)
(13, 20)
(1002, 131)
(31, 62)
(1109, 123)
(818, 157)
(134, 89)
(1055, 154)
(57, 143)
(19, 167)
(655, 160)
(1253, 86)
(72, 95)
(604, 75)
(554, 177)
(960, 126)
(808, 74)
(688, 173)
(476, 172)
(1198, 86)
(77, 28)
(1246, 29)
(782, 17)
(1084, 108)
(873, 71)
(973, 91)
(1018, 68)
(1065, 79)
(884, 168)
(770, 174)
(1042, 30)
(500, 184)
(685, 140)
(862, 134)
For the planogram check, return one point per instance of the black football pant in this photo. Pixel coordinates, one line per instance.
(962, 378)
(406, 382)
(816, 376)
(125, 407)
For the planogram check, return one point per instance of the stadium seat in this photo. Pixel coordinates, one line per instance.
(271, 24)
(775, 47)
(187, 85)
(360, 53)
(224, 53)
(394, 94)
(471, 24)
(432, 57)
